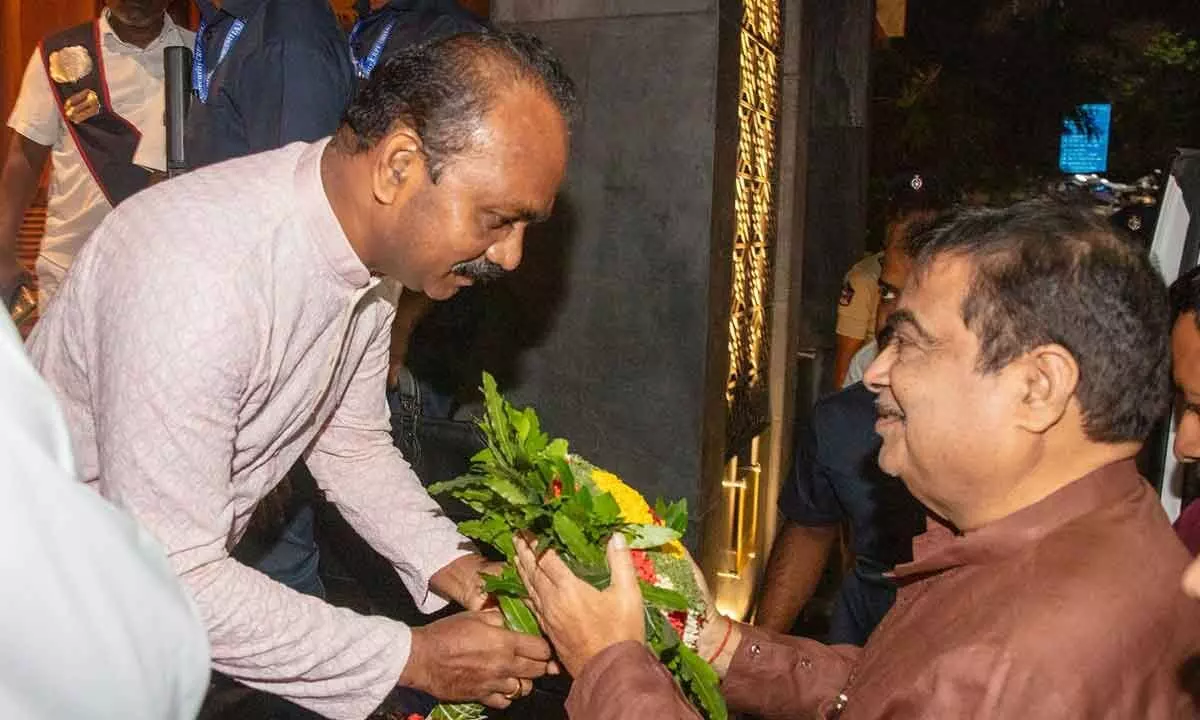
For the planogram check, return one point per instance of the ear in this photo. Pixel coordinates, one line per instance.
(1050, 376)
(399, 166)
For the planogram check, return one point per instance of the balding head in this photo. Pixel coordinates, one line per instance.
(443, 89)
(446, 156)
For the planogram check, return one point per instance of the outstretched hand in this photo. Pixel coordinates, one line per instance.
(461, 581)
(580, 620)
(472, 657)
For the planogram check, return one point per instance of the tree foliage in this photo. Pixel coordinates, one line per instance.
(977, 92)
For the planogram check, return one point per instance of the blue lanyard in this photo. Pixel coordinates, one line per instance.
(201, 75)
(366, 66)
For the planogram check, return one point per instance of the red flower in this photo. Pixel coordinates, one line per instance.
(678, 620)
(644, 566)
(556, 486)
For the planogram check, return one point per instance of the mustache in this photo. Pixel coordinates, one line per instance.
(887, 410)
(479, 269)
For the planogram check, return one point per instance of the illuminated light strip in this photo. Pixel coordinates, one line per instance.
(754, 199)
(754, 230)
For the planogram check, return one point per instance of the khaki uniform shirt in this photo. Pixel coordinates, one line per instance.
(860, 297)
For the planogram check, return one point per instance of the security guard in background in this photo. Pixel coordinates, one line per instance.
(911, 197)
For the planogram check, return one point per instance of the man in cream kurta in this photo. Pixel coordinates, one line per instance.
(221, 326)
(190, 408)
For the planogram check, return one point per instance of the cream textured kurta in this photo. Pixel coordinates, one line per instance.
(214, 330)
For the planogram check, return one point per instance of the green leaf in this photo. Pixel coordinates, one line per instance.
(537, 441)
(509, 490)
(556, 450)
(504, 543)
(660, 635)
(520, 423)
(484, 456)
(495, 423)
(605, 509)
(575, 541)
(650, 536)
(481, 529)
(577, 507)
(661, 597)
(489, 385)
(459, 711)
(527, 433)
(675, 515)
(459, 483)
(518, 617)
(534, 517)
(567, 477)
(506, 583)
(481, 500)
(493, 530)
(702, 684)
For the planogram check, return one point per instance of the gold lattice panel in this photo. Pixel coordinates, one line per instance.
(754, 220)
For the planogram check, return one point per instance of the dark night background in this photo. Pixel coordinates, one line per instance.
(976, 92)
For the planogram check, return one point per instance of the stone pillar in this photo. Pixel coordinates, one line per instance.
(788, 303)
(619, 284)
(836, 214)
(660, 307)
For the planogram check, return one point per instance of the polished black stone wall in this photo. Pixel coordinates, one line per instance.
(622, 366)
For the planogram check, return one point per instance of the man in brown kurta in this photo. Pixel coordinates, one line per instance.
(1185, 366)
(1029, 363)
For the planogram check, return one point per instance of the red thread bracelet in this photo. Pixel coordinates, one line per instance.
(728, 632)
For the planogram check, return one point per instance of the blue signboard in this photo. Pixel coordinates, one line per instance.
(1084, 145)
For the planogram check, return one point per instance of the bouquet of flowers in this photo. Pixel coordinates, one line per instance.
(525, 482)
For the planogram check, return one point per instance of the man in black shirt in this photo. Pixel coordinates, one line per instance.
(836, 480)
(387, 26)
(266, 73)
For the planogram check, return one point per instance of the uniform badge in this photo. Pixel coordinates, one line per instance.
(847, 295)
(70, 65)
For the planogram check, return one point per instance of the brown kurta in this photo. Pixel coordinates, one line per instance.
(1070, 608)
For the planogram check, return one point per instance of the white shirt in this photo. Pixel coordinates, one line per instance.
(136, 89)
(95, 625)
(274, 346)
(860, 362)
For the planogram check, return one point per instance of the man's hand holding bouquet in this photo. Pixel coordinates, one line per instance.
(565, 522)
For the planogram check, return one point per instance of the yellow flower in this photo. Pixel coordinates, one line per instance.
(634, 508)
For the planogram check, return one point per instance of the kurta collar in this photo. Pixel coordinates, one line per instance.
(321, 222)
(940, 548)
